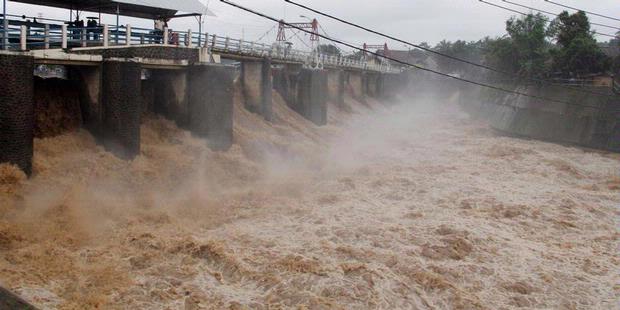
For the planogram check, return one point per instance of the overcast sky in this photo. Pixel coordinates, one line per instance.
(413, 20)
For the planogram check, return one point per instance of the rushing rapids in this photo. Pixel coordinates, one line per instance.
(412, 205)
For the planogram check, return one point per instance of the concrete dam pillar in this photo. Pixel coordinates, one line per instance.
(17, 111)
(392, 84)
(335, 83)
(312, 93)
(256, 79)
(356, 85)
(372, 84)
(122, 102)
(211, 104)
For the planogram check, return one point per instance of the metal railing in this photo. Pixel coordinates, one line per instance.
(19, 35)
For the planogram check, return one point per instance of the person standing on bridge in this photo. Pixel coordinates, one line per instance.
(160, 26)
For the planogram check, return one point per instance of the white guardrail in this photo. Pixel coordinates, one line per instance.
(20, 35)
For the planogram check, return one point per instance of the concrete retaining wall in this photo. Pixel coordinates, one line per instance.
(10, 301)
(122, 103)
(211, 104)
(17, 111)
(596, 125)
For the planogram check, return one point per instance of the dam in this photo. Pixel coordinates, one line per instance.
(117, 80)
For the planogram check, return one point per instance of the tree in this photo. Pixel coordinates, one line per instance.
(500, 54)
(329, 49)
(530, 48)
(578, 53)
(459, 49)
(615, 45)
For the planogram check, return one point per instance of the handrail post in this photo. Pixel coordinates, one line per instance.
(106, 35)
(206, 40)
(128, 35)
(226, 43)
(63, 39)
(83, 37)
(213, 42)
(46, 38)
(5, 34)
(188, 40)
(166, 36)
(23, 39)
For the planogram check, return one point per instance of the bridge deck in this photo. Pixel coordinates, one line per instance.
(35, 37)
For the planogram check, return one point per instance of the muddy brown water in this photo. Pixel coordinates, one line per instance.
(409, 206)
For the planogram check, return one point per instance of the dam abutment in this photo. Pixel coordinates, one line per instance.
(109, 92)
(17, 111)
(577, 118)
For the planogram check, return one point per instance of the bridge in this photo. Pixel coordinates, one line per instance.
(54, 41)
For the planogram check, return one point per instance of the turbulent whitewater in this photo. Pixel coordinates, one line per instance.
(410, 205)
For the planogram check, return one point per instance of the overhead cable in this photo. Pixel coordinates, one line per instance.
(430, 50)
(406, 63)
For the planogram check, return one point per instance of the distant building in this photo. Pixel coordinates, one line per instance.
(611, 48)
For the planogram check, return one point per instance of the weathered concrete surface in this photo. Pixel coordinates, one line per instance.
(335, 86)
(590, 120)
(148, 96)
(122, 103)
(267, 88)
(152, 52)
(211, 104)
(10, 301)
(17, 111)
(372, 84)
(285, 82)
(256, 81)
(171, 95)
(355, 85)
(312, 96)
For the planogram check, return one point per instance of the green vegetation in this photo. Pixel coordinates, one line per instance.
(329, 49)
(534, 47)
